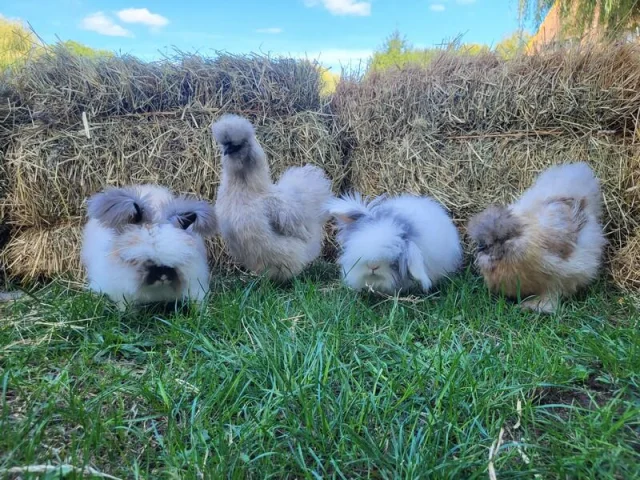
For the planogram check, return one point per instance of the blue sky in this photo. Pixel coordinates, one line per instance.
(336, 32)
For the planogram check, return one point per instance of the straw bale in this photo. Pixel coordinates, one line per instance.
(4, 185)
(58, 86)
(7, 124)
(570, 91)
(625, 268)
(34, 254)
(11, 113)
(468, 175)
(53, 171)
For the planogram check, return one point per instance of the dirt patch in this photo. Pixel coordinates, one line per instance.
(589, 395)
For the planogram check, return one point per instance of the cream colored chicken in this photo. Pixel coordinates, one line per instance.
(546, 245)
(272, 229)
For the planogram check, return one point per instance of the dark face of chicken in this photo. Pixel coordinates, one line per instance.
(496, 232)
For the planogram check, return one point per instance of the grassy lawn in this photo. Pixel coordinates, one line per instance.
(312, 380)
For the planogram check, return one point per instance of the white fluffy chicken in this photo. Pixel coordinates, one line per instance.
(546, 245)
(271, 229)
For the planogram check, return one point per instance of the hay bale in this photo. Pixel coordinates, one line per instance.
(625, 265)
(307, 137)
(468, 175)
(58, 86)
(566, 91)
(52, 172)
(34, 254)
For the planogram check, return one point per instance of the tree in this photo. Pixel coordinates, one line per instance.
(79, 49)
(329, 81)
(397, 52)
(472, 49)
(17, 43)
(512, 45)
(392, 53)
(579, 15)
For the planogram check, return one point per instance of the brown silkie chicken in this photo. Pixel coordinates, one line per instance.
(548, 244)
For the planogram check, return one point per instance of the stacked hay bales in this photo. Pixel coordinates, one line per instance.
(89, 124)
(472, 131)
(467, 130)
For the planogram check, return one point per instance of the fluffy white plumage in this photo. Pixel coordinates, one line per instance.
(389, 244)
(571, 180)
(153, 258)
(272, 229)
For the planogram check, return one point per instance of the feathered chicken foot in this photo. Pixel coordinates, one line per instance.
(545, 303)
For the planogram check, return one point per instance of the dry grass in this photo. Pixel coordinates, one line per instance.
(52, 172)
(56, 88)
(567, 91)
(626, 264)
(468, 175)
(43, 253)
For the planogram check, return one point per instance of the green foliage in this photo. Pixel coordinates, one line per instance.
(512, 45)
(396, 52)
(17, 43)
(615, 16)
(312, 380)
(329, 81)
(78, 48)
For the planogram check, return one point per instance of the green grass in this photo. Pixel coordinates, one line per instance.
(312, 380)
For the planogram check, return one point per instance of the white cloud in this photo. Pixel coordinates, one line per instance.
(271, 30)
(343, 7)
(143, 16)
(437, 7)
(98, 22)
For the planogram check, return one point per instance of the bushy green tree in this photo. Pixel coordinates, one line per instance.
(471, 49)
(397, 52)
(512, 45)
(329, 81)
(578, 15)
(78, 48)
(16, 43)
